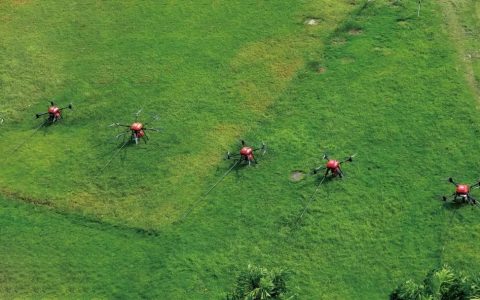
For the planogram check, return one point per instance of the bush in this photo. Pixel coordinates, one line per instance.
(439, 284)
(258, 283)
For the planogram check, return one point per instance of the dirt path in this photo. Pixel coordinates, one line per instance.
(453, 14)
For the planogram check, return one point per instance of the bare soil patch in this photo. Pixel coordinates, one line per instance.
(355, 31)
(312, 21)
(297, 175)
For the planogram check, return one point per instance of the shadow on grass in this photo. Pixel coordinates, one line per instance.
(456, 206)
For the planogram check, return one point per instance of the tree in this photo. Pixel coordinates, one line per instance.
(258, 283)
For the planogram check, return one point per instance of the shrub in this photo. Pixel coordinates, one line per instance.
(257, 283)
(439, 284)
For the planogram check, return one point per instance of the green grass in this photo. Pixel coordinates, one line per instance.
(393, 91)
(463, 20)
(209, 70)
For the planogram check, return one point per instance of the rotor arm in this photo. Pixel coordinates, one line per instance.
(349, 159)
(471, 200)
(475, 185)
(450, 179)
(152, 129)
(263, 148)
(326, 172)
(68, 106)
(230, 155)
(315, 170)
(40, 114)
(121, 125)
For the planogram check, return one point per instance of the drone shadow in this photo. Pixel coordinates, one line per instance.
(241, 166)
(328, 178)
(454, 206)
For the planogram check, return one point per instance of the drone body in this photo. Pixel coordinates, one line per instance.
(54, 113)
(137, 130)
(462, 189)
(333, 166)
(246, 153)
(462, 193)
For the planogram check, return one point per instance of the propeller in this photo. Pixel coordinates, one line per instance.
(350, 158)
(137, 114)
(476, 185)
(153, 118)
(153, 129)
(120, 134)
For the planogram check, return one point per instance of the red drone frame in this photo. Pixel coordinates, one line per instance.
(333, 167)
(54, 113)
(137, 130)
(247, 153)
(462, 193)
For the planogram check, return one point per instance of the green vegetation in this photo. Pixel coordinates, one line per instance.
(370, 78)
(442, 283)
(463, 19)
(258, 283)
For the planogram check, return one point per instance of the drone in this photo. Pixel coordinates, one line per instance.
(462, 193)
(333, 167)
(136, 129)
(54, 113)
(246, 153)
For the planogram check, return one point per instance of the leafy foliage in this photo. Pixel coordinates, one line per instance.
(439, 284)
(257, 283)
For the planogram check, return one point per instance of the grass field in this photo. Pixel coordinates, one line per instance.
(371, 78)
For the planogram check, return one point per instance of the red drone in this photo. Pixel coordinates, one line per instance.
(462, 192)
(333, 166)
(137, 130)
(54, 112)
(246, 153)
